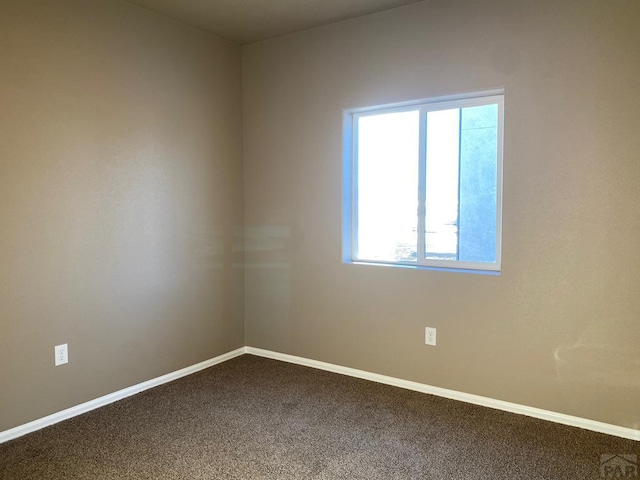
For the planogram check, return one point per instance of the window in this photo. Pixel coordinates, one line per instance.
(423, 183)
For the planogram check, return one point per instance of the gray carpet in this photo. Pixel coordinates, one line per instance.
(253, 418)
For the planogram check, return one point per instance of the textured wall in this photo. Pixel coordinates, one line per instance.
(120, 192)
(559, 328)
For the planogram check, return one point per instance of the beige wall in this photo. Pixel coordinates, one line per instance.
(560, 328)
(120, 191)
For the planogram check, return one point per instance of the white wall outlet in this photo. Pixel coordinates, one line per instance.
(430, 336)
(62, 354)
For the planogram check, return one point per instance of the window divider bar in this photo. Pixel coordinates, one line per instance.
(499, 182)
(422, 186)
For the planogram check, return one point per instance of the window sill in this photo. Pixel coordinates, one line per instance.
(425, 267)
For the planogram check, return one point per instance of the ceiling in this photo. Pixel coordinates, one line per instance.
(248, 21)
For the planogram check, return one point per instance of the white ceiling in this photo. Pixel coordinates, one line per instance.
(247, 21)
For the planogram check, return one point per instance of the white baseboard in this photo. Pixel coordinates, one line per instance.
(113, 397)
(570, 420)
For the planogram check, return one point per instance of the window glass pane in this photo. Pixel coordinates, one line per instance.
(441, 221)
(478, 183)
(387, 185)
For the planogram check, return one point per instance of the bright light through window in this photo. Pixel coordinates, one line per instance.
(443, 150)
(388, 186)
(423, 184)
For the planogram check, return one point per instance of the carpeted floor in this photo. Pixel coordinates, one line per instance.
(254, 418)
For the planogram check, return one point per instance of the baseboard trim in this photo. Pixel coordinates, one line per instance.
(21, 430)
(562, 418)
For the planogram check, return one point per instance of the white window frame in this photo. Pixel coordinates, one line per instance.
(350, 176)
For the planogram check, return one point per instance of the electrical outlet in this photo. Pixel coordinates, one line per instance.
(62, 354)
(430, 336)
